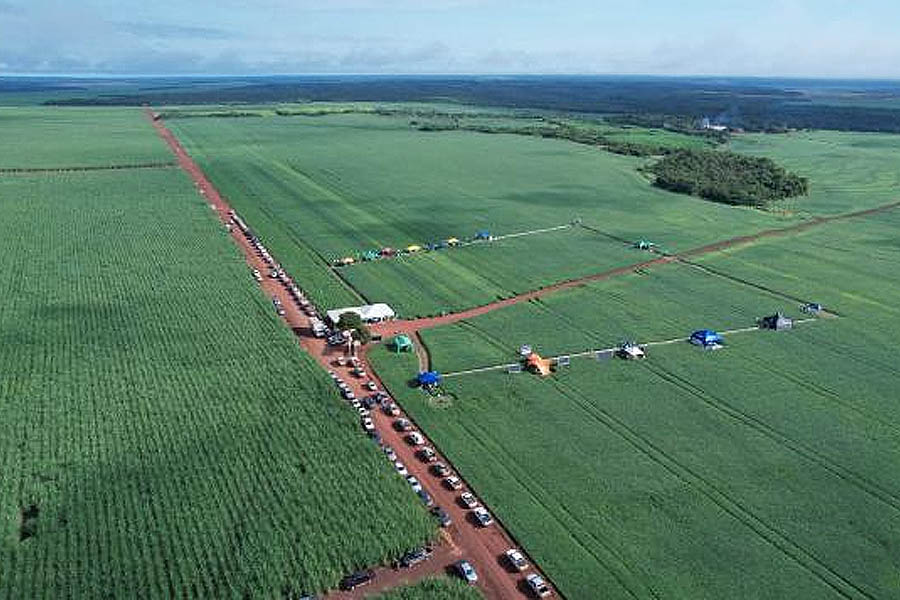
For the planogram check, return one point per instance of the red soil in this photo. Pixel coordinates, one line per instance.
(463, 539)
(483, 547)
(416, 325)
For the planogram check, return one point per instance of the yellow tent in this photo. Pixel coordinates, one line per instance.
(452, 241)
(413, 248)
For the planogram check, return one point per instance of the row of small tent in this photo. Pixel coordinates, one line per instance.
(370, 255)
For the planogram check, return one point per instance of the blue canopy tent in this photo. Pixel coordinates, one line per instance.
(429, 378)
(484, 234)
(706, 338)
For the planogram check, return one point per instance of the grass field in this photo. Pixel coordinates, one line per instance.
(327, 187)
(53, 138)
(161, 434)
(693, 474)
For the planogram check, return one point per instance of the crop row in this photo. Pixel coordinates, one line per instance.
(159, 429)
(54, 138)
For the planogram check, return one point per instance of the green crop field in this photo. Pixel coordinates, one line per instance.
(670, 479)
(457, 278)
(318, 189)
(57, 138)
(161, 434)
(847, 171)
(693, 474)
(655, 304)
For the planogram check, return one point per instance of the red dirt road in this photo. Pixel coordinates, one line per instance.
(463, 539)
(415, 325)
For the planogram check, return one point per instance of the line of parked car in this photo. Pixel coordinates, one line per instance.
(514, 557)
(276, 272)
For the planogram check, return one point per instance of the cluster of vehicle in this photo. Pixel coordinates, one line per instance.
(275, 271)
(363, 406)
(515, 560)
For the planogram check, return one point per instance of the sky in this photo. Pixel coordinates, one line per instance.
(806, 38)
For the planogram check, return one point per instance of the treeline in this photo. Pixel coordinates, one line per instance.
(222, 114)
(677, 123)
(727, 177)
(754, 105)
(559, 132)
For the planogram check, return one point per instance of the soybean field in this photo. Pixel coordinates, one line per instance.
(328, 187)
(161, 433)
(692, 474)
(37, 138)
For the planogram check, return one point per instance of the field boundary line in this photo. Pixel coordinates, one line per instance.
(400, 254)
(406, 326)
(86, 169)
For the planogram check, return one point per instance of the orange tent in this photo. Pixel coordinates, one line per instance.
(538, 365)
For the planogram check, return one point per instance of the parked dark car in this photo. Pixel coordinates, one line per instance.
(442, 516)
(358, 579)
(413, 557)
(426, 498)
(440, 469)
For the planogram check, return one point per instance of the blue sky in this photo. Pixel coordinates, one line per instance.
(663, 37)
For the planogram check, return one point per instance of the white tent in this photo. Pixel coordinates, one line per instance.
(370, 313)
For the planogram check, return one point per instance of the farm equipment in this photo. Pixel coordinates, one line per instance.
(812, 308)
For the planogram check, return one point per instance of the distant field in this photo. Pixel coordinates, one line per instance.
(327, 187)
(159, 428)
(42, 138)
(847, 171)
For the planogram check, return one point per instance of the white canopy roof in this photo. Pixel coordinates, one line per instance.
(368, 313)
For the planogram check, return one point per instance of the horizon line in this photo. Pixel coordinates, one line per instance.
(113, 76)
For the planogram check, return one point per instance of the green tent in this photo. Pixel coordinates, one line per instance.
(402, 343)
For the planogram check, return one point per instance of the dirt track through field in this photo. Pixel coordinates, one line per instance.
(416, 325)
(483, 547)
(463, 539)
